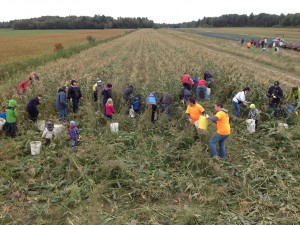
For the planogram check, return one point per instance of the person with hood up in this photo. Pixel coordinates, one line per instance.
(74, 134)
(151, 101)
(74, 94)
(62, 103)
(97, 90)
(11, 118)
(126, 94)
(106, 94)
(223, 131)
(165, 103)
(275, 94)
(32, 107)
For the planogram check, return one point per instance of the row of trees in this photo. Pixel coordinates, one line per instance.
(234, 20)
(74, 22)
(107, 22)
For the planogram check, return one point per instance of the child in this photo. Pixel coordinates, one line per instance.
(11, 118)
(48, 133)
(254, 114)
(109, 108)
(74, 134)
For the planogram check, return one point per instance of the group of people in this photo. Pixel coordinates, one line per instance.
(192, 86)
(259, 43)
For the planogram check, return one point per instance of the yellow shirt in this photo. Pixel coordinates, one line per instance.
(223, 126)
(195, 112)
(94, 87)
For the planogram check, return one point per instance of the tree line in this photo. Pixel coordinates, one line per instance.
(107, 22)
(78, 22)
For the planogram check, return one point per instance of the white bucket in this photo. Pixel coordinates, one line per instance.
(2, 122)
(57, 129)
(208, 91)
(283, 126)
(41, 125)
(131, 113)
(35, 147)
(114, 127)
(250, 125)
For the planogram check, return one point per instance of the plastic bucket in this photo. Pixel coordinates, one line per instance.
(41, 125)
(2, 122)
(250, 125)
(131, 113)
(57, 129)
(203, 123)
(114, 127)
(283, 126)
(208, 91)
(35, 147)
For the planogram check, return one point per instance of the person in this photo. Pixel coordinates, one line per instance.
(136, 103)
(32, 109)
(249, 45)
(193, 113)
(62, 103)
(252, 41)
(254, 114)
(240, 98)
(74, 134)
(187, 81)
(106, 94)
(184, 95)
(126, 94)
(294, 97)
(208, 77)
(242, 41)
(151, 101)
(97, 87)
(109, 108)
(165, 104)
(3, 113)
(48, 133)
(275, 94)
(74, 94)
(11, 118)
(23, 86)
(201, 86)
(223, 131)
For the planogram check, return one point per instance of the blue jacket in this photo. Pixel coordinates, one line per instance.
(61, 99)
(151, 99)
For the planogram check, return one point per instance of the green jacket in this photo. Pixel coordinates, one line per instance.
(296, 94)
(11, 112)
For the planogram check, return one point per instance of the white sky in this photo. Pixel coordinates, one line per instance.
(167, 11)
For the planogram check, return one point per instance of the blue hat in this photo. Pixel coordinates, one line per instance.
(72, 123)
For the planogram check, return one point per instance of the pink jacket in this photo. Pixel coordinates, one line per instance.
(109, 109)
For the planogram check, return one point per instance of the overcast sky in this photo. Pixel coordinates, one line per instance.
(167, 11)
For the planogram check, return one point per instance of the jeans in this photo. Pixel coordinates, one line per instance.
(11, 129)
(275, 107)
(236, 108)
(63, 114)
(167, 108)
(221, 139)
(75, 104)
(204, 89)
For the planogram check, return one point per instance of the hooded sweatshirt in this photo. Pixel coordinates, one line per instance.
(222, 120)
(11, 112)
(61, 99)
(151, 99)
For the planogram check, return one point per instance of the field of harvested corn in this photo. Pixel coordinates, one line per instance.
(23, 44)
(154, 173)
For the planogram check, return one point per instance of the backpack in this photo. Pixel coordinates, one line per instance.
(136, 103)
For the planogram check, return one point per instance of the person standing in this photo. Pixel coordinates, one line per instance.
(11, 118)
(165, 103)
(223, 131)
(126, 94)
(240, 98)
(275, 94)
(151, 101)
(109, 108)
(106, 94)
(32, 109)
(74, 95)
(62, 103)
(74, 134)
(97, 88)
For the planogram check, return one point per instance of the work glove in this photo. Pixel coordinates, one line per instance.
(207, 116)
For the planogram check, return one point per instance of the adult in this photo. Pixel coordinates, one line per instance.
(97, 87)
(208, 77)
(62, 103)
(23, 86)
(275, 94)
(295, 97)
(151, 102)
(74, 95)
(242, 41)
(249, 45)
(187, 81)
(11, 118)
(240, 98)
(165, 104)
(201, 86)
(184, 95)
(32, 109)
(127, 93)
(106, 94)
(223, 131)
(193, 113)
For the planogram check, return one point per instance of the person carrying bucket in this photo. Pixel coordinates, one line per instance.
(223, 131)
(11, 116)
(193, 113)
(240, 98)
(254, 114)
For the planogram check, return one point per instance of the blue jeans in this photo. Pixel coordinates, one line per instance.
(275, 107)
(204, 89)
(167, 108)
(236, 108)
(221, 139)
(63, 114)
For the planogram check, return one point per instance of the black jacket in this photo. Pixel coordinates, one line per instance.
(275, 91)
(32, 106)
(74, 92)
(106, 95)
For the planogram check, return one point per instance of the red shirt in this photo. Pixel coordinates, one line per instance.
(201, 83)
(109, 109)
(23, 85)
(186, 79)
